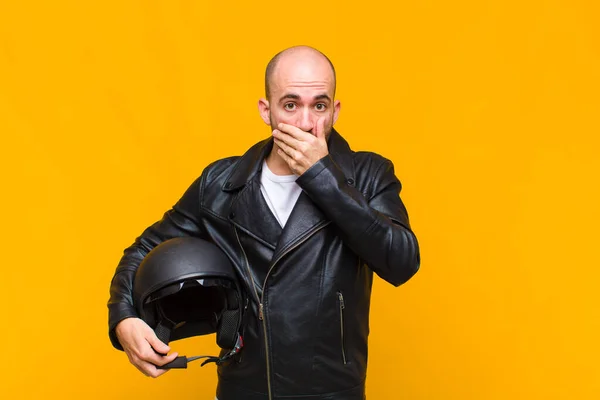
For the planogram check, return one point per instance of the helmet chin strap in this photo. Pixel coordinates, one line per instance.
(163, 332)
(182, 361)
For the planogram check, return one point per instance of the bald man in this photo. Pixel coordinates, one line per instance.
(306, 222)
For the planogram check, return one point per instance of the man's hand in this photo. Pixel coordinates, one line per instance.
(299, 149)
(142, 346)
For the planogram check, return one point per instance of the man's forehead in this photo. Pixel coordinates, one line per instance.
(303, 79)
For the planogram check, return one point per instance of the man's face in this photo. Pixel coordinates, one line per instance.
(301, 93)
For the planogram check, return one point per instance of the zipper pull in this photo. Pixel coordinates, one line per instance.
(260, 311)
(341, 297)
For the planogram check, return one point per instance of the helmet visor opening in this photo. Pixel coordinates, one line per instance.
(194, 303)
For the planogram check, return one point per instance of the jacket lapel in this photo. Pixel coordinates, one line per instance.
(252, 214)
(304, 219)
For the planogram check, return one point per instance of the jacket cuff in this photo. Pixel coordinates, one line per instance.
(316, 169)
(117, 313)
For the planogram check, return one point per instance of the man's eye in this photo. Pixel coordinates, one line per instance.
(289, 106)
(320, 107)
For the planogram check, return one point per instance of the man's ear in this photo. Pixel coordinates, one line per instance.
(336, 110)
(265, 111)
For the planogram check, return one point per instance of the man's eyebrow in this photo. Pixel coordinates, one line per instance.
(292, 96)
(322, 96)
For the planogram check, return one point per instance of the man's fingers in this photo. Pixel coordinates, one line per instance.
(289, 151)
(165, 359)
(153, 357)
(149, 369)
(148, 361)
(293, 131)
(156, 343)
(289, 160)
(142, 347)
(320, 128)
(287, 138)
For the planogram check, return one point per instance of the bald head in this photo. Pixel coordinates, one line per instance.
(294, 56)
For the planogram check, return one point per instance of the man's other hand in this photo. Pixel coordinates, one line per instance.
(142, 346)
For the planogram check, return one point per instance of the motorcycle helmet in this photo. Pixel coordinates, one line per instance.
(187, 287)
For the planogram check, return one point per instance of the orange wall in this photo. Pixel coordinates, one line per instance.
(489, 109)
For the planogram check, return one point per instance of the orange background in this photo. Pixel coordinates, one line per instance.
(489, 110)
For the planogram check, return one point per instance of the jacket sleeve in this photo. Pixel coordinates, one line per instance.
(181, 220)
(375, 226)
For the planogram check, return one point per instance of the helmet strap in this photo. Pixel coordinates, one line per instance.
(165, 326)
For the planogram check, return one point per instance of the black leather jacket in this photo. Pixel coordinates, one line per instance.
(310, 283)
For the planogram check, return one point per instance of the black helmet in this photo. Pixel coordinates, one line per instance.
(187, 287)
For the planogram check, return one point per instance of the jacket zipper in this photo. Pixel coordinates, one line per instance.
(247, 263)
(342, 307)
(260, 299)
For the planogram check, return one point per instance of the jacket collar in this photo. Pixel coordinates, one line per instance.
(251, 162)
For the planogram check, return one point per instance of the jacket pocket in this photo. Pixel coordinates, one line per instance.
(342, 306)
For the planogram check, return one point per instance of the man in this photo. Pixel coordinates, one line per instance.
(306, 222)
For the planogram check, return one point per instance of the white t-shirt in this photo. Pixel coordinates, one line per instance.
(280, 192)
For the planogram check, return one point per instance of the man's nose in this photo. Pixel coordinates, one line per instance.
(305, 121)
